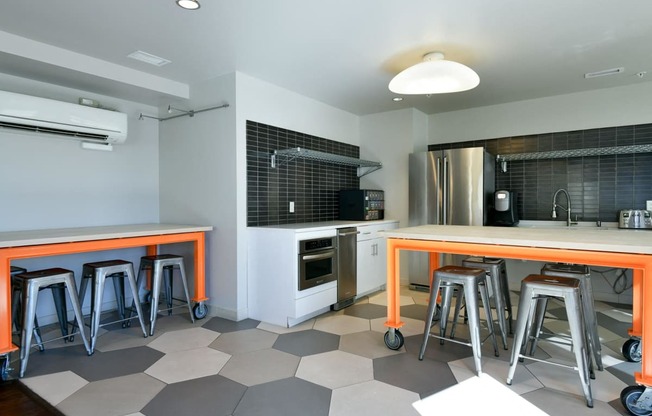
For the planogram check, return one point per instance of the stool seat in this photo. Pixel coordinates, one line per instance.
(98, 272)
(468, 282)
(535, 287)
(31, 283)
(162, 267)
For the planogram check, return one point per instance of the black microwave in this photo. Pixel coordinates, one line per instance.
(361, 204)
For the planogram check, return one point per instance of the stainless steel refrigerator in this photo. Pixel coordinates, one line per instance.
(451, 187)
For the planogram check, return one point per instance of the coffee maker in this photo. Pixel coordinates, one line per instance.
(504, 211)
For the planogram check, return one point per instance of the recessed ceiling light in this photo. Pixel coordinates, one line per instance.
(189, 4)
(397, 99)
(603, 73)
(148, 58)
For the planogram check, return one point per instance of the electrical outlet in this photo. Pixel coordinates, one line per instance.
(291, 207)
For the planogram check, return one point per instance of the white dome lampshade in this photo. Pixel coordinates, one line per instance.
(189, 4)
(434, 75)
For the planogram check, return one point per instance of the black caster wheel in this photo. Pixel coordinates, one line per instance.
(632, 350)
(397, 342)
(4, 367)
(200, 311)
(628, 398)
(71, 338)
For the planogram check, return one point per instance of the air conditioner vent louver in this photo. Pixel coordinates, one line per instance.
(61, 132)
(53, 118)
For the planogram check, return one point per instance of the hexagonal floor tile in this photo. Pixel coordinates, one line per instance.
(55, 387)
(213, 395)
(128, 395)
(372, 398)
(189, 364)
(307, 342)
(335, 369)
(222, 325)
(284, 330)
(341, 324)
(184, 339)
(407, 372)
(290, 396)
(262, 366)
(366, 311)
(240, 342)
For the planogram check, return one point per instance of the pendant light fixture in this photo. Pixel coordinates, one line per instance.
(189, 4)
(434, 75)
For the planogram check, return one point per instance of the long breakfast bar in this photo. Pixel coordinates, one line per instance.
(54, 242)
(629, 249)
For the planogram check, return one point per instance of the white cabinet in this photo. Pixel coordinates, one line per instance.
(372, 257)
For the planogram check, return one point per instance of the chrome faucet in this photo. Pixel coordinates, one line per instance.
(567, 208)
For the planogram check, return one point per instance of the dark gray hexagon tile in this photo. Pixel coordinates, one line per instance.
(308, 342)
(222, 325)
(414, 311)
(407, 372)
(366, 311)
(213, 395)
(450, 351)
(99, 366)
(290, 396)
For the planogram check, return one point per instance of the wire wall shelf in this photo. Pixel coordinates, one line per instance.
(287, 155)
(557, 154)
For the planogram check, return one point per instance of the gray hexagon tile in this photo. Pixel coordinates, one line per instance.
(289, 396)
(366, 310)
(55, 387)
(335, 369)
(372, 398)
(307, 342)
(262, 366)
(188, 364)
(184, 339)
(370, 344)
(222, 325)
(341, 324)
(240, 342)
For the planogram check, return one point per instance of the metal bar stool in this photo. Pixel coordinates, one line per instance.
(98, 272)
(163, 264)
(533, 288)
(468, 281)
(583, 274)
(497, 277)
(31, 283)
(59, 297)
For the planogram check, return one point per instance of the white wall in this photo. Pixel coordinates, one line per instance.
(53, 183)
(600, 108)
(198, 186)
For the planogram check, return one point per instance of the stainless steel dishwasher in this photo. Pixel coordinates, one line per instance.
(347, 254)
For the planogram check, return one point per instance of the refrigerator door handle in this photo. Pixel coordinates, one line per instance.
(439, 204)
(445, 192)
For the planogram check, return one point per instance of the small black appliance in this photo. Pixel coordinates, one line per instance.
(504, 211)
(361, 204)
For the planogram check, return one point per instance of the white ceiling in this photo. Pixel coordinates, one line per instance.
(340, 52)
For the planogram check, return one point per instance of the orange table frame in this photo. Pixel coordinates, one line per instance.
(641, 265)
(151, 242)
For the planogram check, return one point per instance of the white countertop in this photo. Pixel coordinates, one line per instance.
(67, 235)
(578, 238)
(324, 225)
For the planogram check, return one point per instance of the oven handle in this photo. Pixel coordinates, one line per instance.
(349, 233)
(318, 256)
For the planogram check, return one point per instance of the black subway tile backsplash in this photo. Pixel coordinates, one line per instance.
(599, 186)
(312, 186)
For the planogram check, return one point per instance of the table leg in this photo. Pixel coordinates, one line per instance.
(637, 303)
(645, 311)
(393, 286)
(6, 346)
(200, 268)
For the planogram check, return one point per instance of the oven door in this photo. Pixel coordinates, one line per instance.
(317, 268)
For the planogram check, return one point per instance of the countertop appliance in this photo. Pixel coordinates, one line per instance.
(347, 259)
(361, 204)
(452, 187)
(504, 213)
(317, 262)
(635, 219)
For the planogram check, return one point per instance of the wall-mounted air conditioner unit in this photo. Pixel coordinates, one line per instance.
(60, 119)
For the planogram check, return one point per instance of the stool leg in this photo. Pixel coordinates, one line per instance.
(484, 294)
(76, 307)
(119, 290)
(578, 334)
(524, 310)
(83, 284)
(15, 308)
(182, 269)
(446, 295)
(432, 304)
(472, 308)
(30, 296)
(459, 298)
(591, 320)
(157, 275)
(499, 301)
(37, 334)
(59, 296)
(505, 291)
(537, 325)
(168, 271)
(136, 299)
(96, 306)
